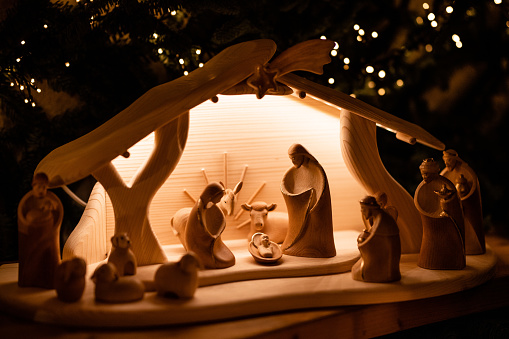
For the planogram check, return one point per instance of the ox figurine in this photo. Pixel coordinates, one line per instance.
(274, 224)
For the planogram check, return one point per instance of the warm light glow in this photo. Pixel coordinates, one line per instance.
(160, 50)
(33, 104)
(381, 92)
(173, 12)
(455, 38)
(21, 87)
(336, 45)
(346, 61)
(45, 26)
(428, 48)
(371, 84)
(359, 38)
(200, 64)
(425, 5)
(181, 61)
(67, 64)
(18, 59)
(419, 20)
(459, 44)
(186, 73)
(497, 2)
(374, 34)
(434, 23)
(323, 37)
(370, 69)
(400, 83)
(431, 16)
(346, 67)
(356, 27)
(32, 80)
(198, 51)
(22, 42)
(39, 90)
(333, 52)
(381, 74)
(12, 84)
(449, 9)
(331, 81)
(26, 101)
(361, 32)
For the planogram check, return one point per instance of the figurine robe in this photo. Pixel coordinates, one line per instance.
(306, 192)
(443, 245)
(467, 184)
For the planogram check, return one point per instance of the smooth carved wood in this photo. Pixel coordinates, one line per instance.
(307, 196)
(121, 255)
(178, 279)
(88, 239)
(163, 109)
(443, 245)
(263, 219)
(111, 288)
(379, 245)
(360, 152)
(131, 202)
(263, 250)
(40, 215)
(203, 231)
(70, 279)
(249, 297)
(467, 184)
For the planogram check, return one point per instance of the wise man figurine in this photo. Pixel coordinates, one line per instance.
(307, 196)
(438, 203)
(40, 215)
(379, 245)
(467, 184)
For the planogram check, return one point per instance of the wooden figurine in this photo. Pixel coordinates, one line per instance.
(379, 245)
(306, 192)
(121, 254)
(178, 279)
(205, 224)
(274, 224)
(381, 199)
(467, 185)
(227, 202)
(70, 279)
(111, 288)
(263, 250)
(437, 201)
(40, 214)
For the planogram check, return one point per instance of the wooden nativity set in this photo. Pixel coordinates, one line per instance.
(329, 227)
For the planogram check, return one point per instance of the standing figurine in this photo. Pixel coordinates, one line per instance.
(467, 184)
(437, 201)
(70, 279)
(40, 214)
(306, 192)
(205, 225)
(379, 245)
(121, 255)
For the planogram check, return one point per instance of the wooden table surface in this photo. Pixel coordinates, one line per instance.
(345, 322)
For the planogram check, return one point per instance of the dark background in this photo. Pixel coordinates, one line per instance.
(460, 95)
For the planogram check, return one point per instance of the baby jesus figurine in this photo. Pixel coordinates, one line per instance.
(263, 250)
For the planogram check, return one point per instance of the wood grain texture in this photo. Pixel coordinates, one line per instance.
(88, 239)
(242, 298)
(360, 152)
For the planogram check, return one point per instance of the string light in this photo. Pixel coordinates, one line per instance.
(497, 2)
(374, 34)
(431, 16)
(370, 69)
(160, 51)
(419, 20)
(333, 52)
(356, 27)
(198, 51)
(173, 13)
(381, 74)
(381, 92)
(434, 24)
(323, 37)
(200, 64)
(425, 5)
(181, 61)
(346, 61)
(331, 81)
(428, 48)
(22, 42)
(371, 84)
(399, 83)
(361, 32)
(449, 9)
(67, 64)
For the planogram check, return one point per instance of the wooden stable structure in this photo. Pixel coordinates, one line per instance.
(145, 178)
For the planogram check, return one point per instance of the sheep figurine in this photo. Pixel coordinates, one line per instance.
(70, 279)
(111, 288)
(121, 255)
(178, 279)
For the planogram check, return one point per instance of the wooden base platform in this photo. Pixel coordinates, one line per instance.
(267, 294)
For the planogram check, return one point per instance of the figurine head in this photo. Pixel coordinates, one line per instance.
(450, 158)
(299, 155)
(40, 185)
(121, 240)
(368, 206)
(212, 194)
(264, 240)
(445, 192)
(429, 169)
